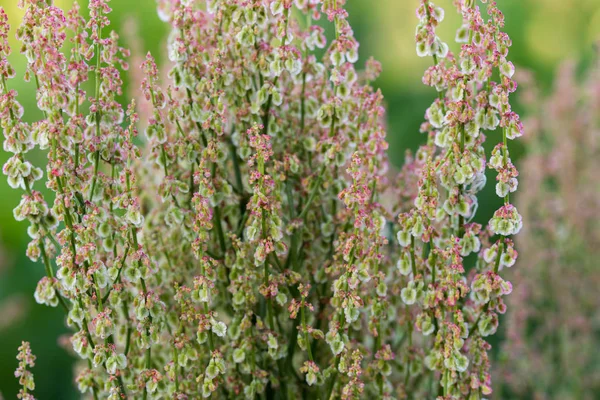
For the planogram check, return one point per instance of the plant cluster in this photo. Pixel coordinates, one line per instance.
(239, 248)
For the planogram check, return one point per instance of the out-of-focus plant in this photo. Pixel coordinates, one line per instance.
(26, 360)
(553, 327)
(240, 250)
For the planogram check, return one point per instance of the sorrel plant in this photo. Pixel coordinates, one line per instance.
(239, 248)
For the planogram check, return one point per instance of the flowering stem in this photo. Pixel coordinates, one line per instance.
(333, 378)
(433, 268)
(413, 261)
(446, 382)
(149, 349)
(500, 251)
(302, 104)
(98, 113)
(236, 167)
(306, 335)
(435, 58)
(128, 337)
(505, 158)
(220, 234)
(410, 340)
(47, 265)
(61, 300)
(313, 192)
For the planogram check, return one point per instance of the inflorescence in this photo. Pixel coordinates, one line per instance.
(239, 247)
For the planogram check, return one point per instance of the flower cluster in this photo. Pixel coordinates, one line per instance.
(26, 360)
(552, 320)
(448, 298)
(239, 247)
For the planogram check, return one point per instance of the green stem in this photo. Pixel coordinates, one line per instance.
(149, 349)
(447, 383)
(220, 234)
(413, 259)
(128, 337)
(98, 114)
(306, 335)
(500, 251)
(333, 378)
(433, 268)
(505, 157)
(175, 357)
(313, 192)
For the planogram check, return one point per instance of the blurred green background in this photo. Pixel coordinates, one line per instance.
(544, 32)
